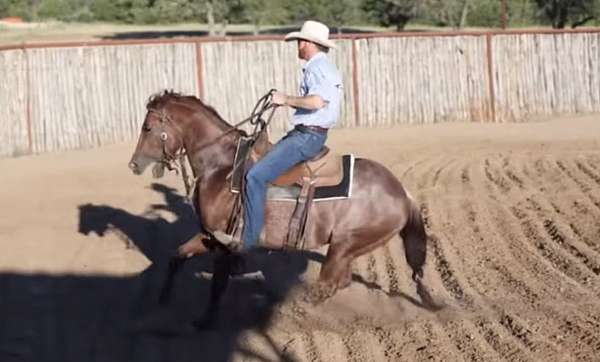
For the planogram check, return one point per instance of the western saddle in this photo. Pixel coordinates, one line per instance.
(325, 169)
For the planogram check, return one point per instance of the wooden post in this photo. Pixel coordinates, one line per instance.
(355, 84)
(199, 70)
(28, 100)
(490, 67)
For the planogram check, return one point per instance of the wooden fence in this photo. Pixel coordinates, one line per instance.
(546, 74)
(65, 96)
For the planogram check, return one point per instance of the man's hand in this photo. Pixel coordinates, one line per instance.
(279, 98)
(311, 102)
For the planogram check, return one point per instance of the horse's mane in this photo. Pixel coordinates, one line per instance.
(160, 99)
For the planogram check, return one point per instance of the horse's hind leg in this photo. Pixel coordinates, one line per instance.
(336, 272)
(346, 278)
(333, 271)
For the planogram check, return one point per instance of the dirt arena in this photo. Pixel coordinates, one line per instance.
(513, 214)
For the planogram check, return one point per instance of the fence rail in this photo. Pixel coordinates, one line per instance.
(58, 96)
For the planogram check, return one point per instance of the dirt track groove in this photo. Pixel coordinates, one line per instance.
(513, 218)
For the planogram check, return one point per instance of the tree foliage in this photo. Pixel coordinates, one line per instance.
(559, 13)
(393, 12)
(337, 14)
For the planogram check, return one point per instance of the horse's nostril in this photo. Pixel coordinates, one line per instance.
(133, 166)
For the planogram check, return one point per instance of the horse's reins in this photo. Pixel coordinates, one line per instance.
(259, 124)
(170, 160)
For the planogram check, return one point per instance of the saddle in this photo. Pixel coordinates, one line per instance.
(324, 169)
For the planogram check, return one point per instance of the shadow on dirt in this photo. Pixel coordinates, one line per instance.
(103, 318)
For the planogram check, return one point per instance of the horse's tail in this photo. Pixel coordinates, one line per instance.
(415, 247)
(415, 240)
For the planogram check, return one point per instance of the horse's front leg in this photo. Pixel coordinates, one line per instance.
(194, 246)
(223, 268)
(197, 245)
(174, 265)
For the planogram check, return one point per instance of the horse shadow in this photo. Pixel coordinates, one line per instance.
(108, 318)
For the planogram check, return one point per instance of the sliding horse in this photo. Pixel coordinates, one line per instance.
(379, 207)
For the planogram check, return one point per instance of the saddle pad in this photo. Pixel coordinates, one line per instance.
(338, 192)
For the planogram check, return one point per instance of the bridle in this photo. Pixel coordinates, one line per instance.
(168, 159)
(176, 161)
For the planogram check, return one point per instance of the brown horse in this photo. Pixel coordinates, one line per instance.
(378, 209)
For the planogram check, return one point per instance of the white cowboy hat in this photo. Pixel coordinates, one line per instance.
(312, 31)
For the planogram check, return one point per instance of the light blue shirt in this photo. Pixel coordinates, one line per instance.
(321, 78)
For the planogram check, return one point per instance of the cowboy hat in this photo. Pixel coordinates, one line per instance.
(312, 31)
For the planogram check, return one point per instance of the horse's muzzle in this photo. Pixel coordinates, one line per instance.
(134, 167)
(139, 163)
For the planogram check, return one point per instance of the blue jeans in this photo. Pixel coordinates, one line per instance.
(295, 147)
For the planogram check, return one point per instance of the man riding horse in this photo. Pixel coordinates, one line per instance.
(378, 209)
(317, 110)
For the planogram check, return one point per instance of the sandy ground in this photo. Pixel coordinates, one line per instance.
(513, 214)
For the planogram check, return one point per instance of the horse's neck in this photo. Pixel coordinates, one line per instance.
(209, 149)
(211, 165)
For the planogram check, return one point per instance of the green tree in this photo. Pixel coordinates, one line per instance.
(172, 11)
(55, 9)
(137, 11)
(21, 8)
(124, 11)
(300, 11)
(485, 14)
(392, 12)
(574, 12)
(105, 10)
(521, 12)
(120, 11)
(343, 12)
(219, 12)
(262, 12)
(82, 11)
(448, 12)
